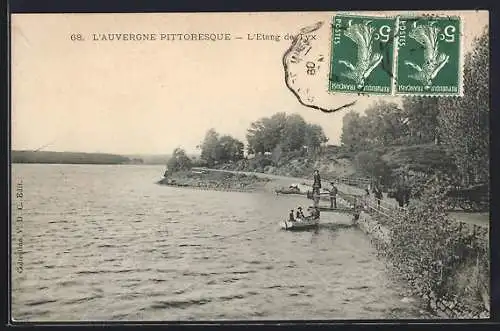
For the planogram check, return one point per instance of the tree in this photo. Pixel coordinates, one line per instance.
(385, 123)
(293, 133)
(179, 161)
(211, 150)
(266, 133)
(464, 122)
(422, 113)
(283, 133)
(369, 163)
(354, 132)
(314, 136)
(231, 149)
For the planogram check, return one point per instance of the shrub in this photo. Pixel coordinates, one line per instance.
(429, 249)
(179, 161)
(372, 165)
(259, 162)
(199, 163)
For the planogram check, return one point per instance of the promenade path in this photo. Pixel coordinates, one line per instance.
(479, 219)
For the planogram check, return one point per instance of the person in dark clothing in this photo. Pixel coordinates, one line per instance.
(378, 194)
(317, 182)
(402, 193)
(290, 216)
(316, 187)
(300, 213)
(333, 196)
(399, 196)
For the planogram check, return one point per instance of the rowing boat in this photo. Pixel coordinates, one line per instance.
(300, 224)
(288, 191)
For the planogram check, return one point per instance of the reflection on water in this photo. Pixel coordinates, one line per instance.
(107, 243)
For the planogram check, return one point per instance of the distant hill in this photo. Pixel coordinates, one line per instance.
(88, 158)
(67, 158)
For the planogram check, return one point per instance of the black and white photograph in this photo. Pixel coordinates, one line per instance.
(197, 167)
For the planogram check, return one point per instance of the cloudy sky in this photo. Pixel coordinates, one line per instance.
(149, 97)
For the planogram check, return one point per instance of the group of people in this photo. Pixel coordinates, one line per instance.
(317, 191)
(374, 188)
(314, 214)
(401, 194)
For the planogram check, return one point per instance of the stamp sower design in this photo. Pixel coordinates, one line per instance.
(362, 54)
(428, 60)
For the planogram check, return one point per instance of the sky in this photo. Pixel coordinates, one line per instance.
(149, 97)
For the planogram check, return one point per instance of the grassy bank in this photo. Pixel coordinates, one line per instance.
(444, 261)
(334, 161)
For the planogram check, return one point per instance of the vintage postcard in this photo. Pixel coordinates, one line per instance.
(250, 166)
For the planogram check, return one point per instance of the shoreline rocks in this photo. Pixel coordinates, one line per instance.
(217, 181)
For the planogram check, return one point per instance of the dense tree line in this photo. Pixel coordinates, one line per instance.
(386, 124)
(464, 122)
(220, 149)
(459, 124)
(278, 134)
(284, 133)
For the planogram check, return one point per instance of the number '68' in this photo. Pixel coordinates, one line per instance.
(76, 36)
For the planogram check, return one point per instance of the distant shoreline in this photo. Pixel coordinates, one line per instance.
(51, 157)
(90, 164)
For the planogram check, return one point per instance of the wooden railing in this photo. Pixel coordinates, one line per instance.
(392, 211)
(358, 182)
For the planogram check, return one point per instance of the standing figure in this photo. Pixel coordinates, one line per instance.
(316, 187)
(402, 193)
(378, 194)
(333, 196)
(367, 197)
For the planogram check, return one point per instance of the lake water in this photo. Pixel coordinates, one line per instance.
(107, 243)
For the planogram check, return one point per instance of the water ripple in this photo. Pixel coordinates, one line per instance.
(113, 245)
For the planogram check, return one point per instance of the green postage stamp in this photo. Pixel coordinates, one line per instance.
(403, 55)
(428, 60)
(362, 54)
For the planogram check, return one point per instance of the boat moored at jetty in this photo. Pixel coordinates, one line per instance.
(300, 224)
